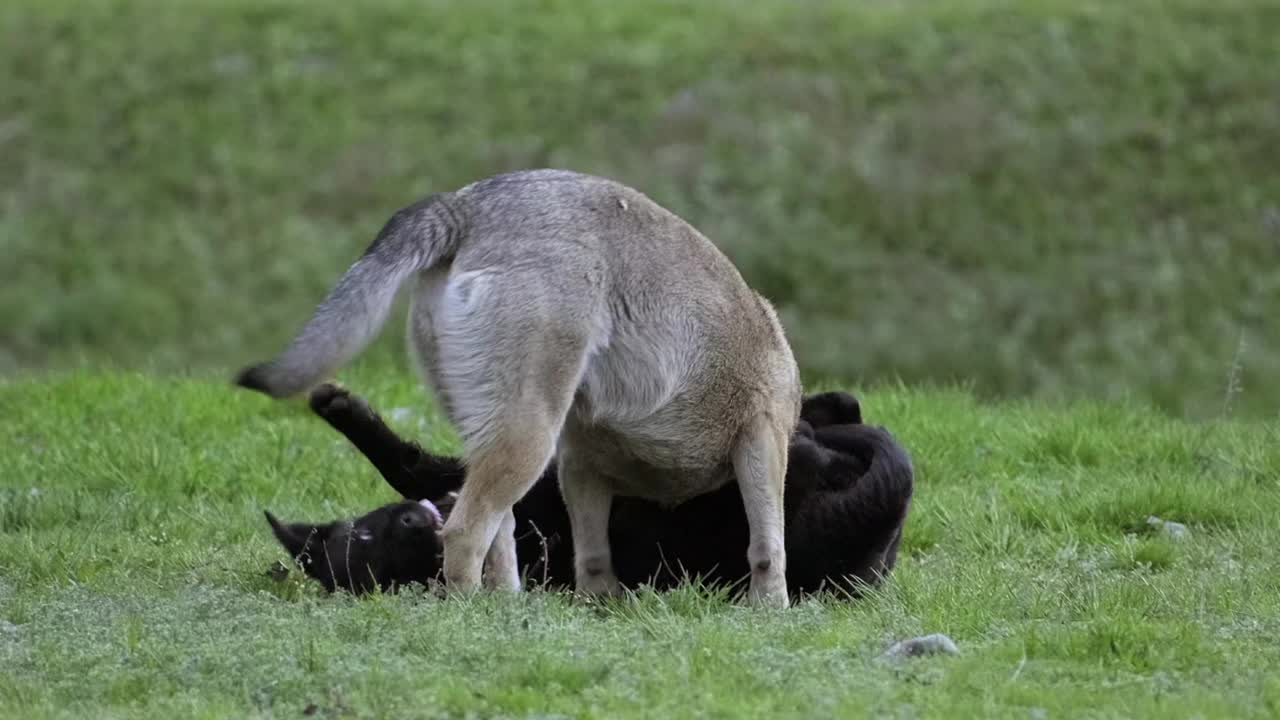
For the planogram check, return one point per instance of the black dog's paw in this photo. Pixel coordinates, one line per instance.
(446, 503)
(337, 404)
(831, 408)
(330, 399)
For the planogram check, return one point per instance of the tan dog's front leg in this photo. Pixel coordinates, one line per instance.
(588, 499)
(760, 462)
(467, 537)
(497, 476)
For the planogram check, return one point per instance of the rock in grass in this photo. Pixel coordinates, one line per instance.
(1171, 530)
(936, 644)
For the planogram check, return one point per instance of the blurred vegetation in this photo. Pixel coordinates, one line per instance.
(1044, 198)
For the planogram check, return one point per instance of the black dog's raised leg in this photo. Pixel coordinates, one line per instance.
(410, 470)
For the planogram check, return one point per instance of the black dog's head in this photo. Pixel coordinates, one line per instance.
(394, 545)
(828, 408)
(831, 408)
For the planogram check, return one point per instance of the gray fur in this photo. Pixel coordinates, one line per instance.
(555, 311)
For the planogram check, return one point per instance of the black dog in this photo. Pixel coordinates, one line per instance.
(848, 491)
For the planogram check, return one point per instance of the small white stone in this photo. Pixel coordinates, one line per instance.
(400, 414)
(1171, 530)
(936, 644)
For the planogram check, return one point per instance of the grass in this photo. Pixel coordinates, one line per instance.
(1072, 206)
(133, 556)
(1047, 199)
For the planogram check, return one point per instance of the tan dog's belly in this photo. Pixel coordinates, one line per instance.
(670, 487)
(638, 464)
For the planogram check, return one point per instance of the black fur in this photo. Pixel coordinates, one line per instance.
(848, 492)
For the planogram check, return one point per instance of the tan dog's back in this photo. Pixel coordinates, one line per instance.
(682, 352)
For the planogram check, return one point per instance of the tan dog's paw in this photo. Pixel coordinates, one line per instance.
(595, 577)
(768, 591)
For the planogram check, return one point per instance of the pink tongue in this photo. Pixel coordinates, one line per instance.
(435, 511)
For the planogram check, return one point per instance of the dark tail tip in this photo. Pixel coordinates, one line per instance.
(254, 378)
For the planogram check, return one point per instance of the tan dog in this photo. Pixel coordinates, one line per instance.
(559, 314)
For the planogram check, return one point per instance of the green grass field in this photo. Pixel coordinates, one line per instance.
(133, 556)
(1046, 198)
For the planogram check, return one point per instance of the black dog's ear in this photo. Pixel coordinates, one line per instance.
(831, 408)
(295, 536)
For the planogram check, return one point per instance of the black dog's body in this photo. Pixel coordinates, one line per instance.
(848, 490)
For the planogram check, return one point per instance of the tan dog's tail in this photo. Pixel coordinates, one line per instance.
(415, 238)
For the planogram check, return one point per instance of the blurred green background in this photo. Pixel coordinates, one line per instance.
(1047, 198)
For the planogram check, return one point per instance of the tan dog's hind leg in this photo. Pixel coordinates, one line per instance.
(760, 463)
(588, 498)
(498, 476)
(506, 355)
(501, 569)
